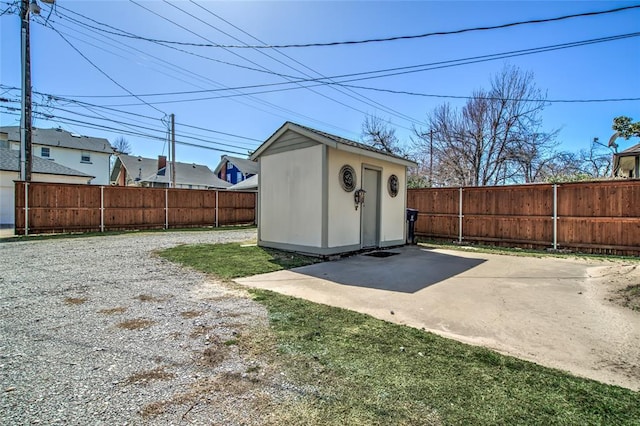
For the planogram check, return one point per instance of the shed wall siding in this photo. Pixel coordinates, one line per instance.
(344, 219)
(291, 205)
(289, 141)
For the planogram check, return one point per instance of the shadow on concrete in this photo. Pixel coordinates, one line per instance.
(413, 269)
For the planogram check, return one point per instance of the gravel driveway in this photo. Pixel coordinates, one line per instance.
(99, 330)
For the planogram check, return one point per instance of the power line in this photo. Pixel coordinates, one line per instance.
(83, 104)
(367, 101)
(386, 39)
(262, 101)
(367, 75)
(102, 71)
(70, 121)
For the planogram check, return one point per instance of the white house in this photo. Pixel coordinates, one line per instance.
(85, 154)
(130, 170)
(42, 171)
(322, 194)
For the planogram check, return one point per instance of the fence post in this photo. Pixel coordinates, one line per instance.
(166, 208)
(460, 216)
(555, 216)
(26, 208)
(216, 208)
(101, 208)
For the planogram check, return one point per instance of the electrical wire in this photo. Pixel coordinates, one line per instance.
(387, 39)
(366, 75)
(102, 71)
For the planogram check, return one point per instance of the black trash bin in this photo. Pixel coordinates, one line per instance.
(412, 218)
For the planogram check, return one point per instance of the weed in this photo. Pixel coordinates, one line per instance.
(144, 377)
(112, 311)
(136, 324)
(75, 300)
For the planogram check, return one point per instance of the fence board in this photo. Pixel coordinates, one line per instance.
(57, 207)
(598, 217)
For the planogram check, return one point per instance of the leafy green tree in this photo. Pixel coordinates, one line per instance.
(625, 127)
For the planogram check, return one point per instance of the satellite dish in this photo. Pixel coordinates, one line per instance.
(612, 141)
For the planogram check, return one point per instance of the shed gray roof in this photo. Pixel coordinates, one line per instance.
(323, 137)
(62, 138)
(635, 149)
(246, 166)
(248, 184)
(10, 161)
(146, 170)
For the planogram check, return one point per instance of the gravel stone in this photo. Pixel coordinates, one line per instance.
(101, 331)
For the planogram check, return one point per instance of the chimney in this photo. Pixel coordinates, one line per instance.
(162, 165)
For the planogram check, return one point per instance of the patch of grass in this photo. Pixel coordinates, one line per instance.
(349, 368)
(136, 324)
(231, 342)
(75, 300)
(212, 356)
(191, 314)
(145, 377)
(516, 251)
(112, 311)
(228, 261)
(149, 298)
(368, 371)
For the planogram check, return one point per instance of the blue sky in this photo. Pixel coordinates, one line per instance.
(596, 71)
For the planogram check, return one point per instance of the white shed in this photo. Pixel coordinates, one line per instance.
(322, 194)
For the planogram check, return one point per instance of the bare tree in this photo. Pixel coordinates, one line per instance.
(379, 134)
(492, 139)
(121, 145)
(596, 161)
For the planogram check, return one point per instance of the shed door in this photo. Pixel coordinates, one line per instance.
(371, 208)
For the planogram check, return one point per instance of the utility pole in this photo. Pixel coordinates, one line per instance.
(25, 118)
(25, 56)
(173, 150)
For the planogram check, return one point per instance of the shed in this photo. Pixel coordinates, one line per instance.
(323, 194)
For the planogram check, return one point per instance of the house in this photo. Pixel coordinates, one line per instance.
(234, 170)
(85, 154)
(627, 163)
(42, 171)
(322, 194)
(130, 170)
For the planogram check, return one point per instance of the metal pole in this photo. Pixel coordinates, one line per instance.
(25, 118)
(101, 208)
(173, 150)
(555, 217)
(166, 208)
(216, 208)
(460, 216)
(26, 208)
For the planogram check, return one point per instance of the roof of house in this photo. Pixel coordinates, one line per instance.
(635, 149)
(10, 161)
(333, 141)
(146, 170)
(62, 138)
(248, 184)
(246, 166)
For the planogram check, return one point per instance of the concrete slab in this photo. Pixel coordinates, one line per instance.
(551, 311)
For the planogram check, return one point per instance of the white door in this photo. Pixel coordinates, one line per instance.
(371, 208)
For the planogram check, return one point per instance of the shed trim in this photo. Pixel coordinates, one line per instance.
(319, 138)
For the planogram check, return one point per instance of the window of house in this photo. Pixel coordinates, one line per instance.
(239, 177)
(85, 157)
(45, 152)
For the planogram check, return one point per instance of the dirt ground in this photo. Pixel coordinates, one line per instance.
(563, 313)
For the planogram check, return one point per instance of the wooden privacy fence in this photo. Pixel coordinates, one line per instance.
(56, 207)
(594, 217)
